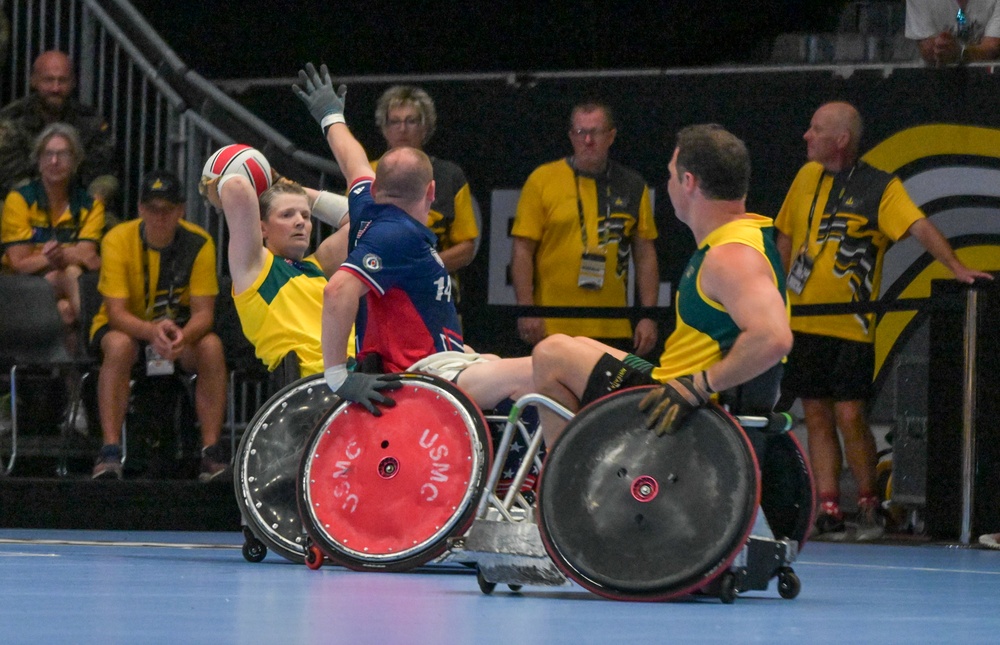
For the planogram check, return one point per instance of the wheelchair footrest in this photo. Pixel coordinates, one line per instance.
(509, 553)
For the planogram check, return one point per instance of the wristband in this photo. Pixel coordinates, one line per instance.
(704, 377)
(330, 119)
(222, 181)
(330, 208)
(335, 376)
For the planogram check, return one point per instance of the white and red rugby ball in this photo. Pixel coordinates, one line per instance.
(242, 159)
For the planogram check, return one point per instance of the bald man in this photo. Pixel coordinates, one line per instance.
(394, 286)
(838, 219)
(51, 100)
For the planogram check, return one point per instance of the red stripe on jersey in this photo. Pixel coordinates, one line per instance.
(358, 181)
(374, 288)
(455, 339)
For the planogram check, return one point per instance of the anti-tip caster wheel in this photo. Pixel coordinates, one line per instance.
(314, 557)
(727, 588)
(485, 585)
(254, 551)
(789, 584)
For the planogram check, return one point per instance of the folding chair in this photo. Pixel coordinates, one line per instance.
(32, 336)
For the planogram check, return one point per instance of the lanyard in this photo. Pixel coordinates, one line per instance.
(602, 223)
(833, 213)
(149, 292)
(53, 228)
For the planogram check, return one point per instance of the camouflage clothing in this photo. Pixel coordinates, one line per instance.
(22, 121)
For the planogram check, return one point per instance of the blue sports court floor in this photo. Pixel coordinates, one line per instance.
(111, 587)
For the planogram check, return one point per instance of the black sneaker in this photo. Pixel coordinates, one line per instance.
(214, 463)
(830, 527)
(109, 463)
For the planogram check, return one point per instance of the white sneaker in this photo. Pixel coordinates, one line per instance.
(869, 524)
(80, 425)
(990, 540)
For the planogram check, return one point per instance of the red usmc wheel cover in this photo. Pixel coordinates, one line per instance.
(384, 487)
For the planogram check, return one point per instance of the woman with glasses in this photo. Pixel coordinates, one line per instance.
(407, 117)
(51, 226)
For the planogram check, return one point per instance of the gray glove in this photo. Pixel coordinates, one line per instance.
(366, 390)
(325, 105)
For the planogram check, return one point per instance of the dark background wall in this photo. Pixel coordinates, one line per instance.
(266, 38)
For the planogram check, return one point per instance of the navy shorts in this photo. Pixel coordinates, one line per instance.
(824, 367)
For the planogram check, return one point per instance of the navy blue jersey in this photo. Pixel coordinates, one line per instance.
(408, 313)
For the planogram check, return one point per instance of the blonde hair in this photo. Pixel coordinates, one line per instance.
(402, 95)
(268, 197)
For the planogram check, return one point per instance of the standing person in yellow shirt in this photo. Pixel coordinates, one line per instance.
(579, 222)
(838, 219)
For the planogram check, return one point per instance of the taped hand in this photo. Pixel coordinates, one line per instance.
(366, 389)
(667, 407)
(325, 105)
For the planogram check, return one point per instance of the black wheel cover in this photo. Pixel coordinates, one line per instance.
(604, 534)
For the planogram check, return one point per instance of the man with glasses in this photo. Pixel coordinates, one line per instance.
(578, 222)
(407, 117)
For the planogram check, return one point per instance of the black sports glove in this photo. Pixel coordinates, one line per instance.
(366, 389)
(667, 407)
(325, 105)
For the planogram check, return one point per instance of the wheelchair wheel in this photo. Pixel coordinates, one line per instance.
(267, 464)
(633, 516)
(788, 493)
(387, 492)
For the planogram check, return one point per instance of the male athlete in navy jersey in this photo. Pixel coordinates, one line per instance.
(408, 314)
(395, 256)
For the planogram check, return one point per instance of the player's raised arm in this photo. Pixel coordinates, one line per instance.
(232, 180)
(327, 107)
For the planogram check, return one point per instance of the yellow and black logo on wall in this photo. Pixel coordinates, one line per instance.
(952, 172)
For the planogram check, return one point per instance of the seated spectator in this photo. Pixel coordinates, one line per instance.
(50, 100)
(277, 288)
(954, 31)
(51, 226)
(159, 286)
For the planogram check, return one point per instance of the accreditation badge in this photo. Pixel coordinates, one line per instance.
(592, 269)
(156, 365)
(799, 273)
